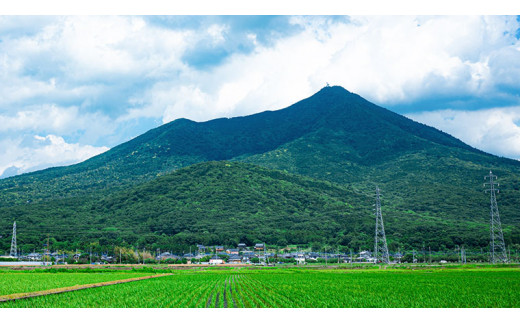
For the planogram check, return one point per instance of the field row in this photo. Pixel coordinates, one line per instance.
(286, 288)
(23, 282)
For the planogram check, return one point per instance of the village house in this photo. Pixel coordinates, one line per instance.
(235, 259)
(216, 261)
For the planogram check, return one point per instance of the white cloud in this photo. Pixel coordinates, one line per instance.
(68, 121)
(401, 59)
(84, 78)
(30, 154)
(493, 130)
(217, 33)
(389, 60)
(87, 57)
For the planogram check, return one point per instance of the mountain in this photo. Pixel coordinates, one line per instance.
(333, 136)
(349, 129)
(227, 203)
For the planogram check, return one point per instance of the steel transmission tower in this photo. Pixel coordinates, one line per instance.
(498, 247)
(13, 252)
(380, 247)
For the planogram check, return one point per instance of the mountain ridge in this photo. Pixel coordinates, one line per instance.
(432, 182)
(183, 142)
(222, 202)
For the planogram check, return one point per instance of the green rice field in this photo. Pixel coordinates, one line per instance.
(281, 288)
(23, 282)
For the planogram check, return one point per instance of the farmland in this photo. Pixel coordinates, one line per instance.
(11, 283)
(285, 287)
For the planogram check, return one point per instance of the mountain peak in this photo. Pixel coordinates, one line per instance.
(333, 90)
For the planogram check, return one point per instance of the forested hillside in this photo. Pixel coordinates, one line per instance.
(227, 203)
(145, 191)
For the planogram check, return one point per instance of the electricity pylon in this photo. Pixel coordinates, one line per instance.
(498, 247)
(13, 252)
(380, 246)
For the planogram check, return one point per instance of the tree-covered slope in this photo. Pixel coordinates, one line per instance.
(229, 202)
(432, 182)
(444, 181)
(367, 133)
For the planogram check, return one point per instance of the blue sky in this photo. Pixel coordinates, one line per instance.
(75, 86)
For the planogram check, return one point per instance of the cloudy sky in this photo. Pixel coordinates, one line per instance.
(74, 86)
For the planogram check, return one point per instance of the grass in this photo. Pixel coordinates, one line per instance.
(428, 287)
(24, 282)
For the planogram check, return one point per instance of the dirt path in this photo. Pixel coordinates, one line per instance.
(12, 297)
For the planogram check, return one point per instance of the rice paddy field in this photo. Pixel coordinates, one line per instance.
(273, 287)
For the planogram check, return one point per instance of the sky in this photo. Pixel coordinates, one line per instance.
(72, 87)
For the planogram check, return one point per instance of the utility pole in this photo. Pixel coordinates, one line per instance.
(413, 257)
(424, 253)
(48, 247)
(380, 246)
(351, 259)
(430, 253)
(497, 247)
(13, 252)
(266, 258)
(325, 256)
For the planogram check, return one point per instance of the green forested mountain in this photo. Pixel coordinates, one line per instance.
(342, 144)
(340, 124)
(230, 202)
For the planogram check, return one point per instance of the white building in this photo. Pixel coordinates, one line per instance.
(216, 261)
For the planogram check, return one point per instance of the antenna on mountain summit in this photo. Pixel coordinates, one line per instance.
(327, 84)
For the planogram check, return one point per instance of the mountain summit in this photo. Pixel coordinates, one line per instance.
(360, 132)
(426, 176)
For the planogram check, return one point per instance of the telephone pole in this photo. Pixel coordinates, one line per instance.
(497, 247)
(14, 252)
(380, 246)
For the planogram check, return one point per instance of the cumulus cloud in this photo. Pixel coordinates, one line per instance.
(493, 130)
(67, 121)
(30, 154)
(101, 80)
(405, 63)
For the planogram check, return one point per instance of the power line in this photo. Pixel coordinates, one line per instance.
(13, 252)
(380, 246)
(498, 247)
